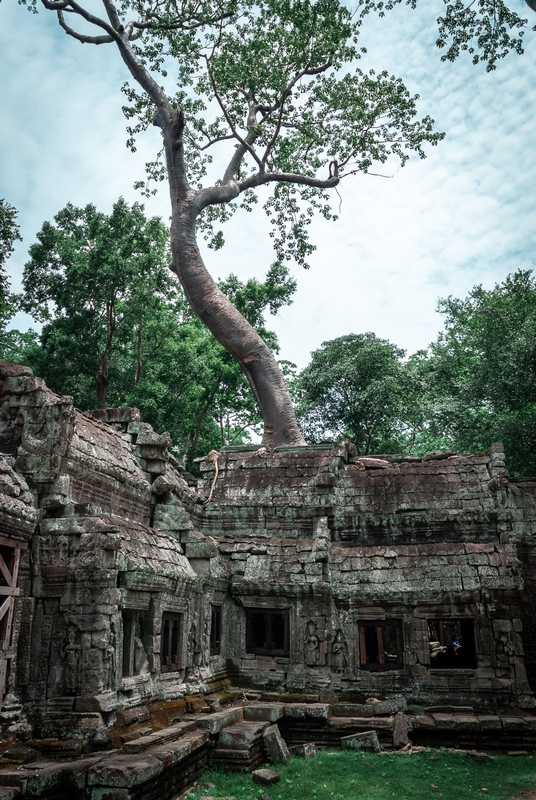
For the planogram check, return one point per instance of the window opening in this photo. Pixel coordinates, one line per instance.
(381, 645)
(452, 643)
(215, 630)
(170, 655)
(267, 631)
(130, 629)
(135, 658)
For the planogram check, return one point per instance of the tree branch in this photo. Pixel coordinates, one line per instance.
(260, 178)
(235, 133)
(82, 37)
(113, 16)
(59, 6)
(92, 19)
(242, 149)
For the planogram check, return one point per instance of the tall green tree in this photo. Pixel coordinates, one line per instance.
(357, 386)
(9, 234)
(480, 375)
(93, 279)
(274, 83)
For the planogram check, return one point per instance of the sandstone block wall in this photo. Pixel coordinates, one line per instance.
(133, 597)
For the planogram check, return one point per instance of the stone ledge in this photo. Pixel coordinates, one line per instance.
(158, 737)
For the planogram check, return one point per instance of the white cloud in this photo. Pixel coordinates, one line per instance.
(465, 215)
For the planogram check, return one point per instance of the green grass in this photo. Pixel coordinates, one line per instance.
(362, 776)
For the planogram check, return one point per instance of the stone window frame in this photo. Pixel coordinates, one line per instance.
(178, 654)
(379, 624)
(266, 603)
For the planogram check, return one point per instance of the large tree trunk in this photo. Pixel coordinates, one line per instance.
(220, 316)
(233, 331)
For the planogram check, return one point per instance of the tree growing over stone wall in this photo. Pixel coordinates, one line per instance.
(114, 318)
(269, 86)
(270, 80)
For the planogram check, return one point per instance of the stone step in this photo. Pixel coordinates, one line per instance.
(158, 737)
(361, 723)
(125, 771)
(308, 710)
(173, 752)
(242, 735)
(214, 723)
(264, 712)
(382, 708)
(238, 760)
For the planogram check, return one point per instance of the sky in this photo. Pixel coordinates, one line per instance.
(463, 216)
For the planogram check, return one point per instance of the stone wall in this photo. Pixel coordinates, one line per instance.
(344, 565)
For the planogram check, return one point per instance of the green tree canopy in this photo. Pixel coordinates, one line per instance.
(357, 386)
(480, 375)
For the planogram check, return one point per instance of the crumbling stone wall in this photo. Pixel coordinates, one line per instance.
(339, 554)
(341, 540)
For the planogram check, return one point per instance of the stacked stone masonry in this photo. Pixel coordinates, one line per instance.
(128, 601)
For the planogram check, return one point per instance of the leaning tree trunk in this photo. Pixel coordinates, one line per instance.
(220, 316)
(233, 331)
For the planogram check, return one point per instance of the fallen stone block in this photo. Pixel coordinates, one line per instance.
(124, 771)
(307, 750)
(265, 776)
(241, 736)
(308, 710)
(264, 712)
(402, 726)
(275, 745)
(214, 723)
(368, 740)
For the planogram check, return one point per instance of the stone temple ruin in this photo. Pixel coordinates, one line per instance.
(138, 621)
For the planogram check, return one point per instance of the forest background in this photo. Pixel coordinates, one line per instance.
(115, 330)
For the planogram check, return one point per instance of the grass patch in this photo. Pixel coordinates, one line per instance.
(362, 776)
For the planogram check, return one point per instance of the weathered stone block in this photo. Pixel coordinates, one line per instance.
(402, 726)
(368, 740)
(264, 712)
(241, 736)
(275, 745)
(265, 776)
(214, 723)
(124, 771)
(308, 711)
(307, 750)
(158, 737)
(172, 752)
